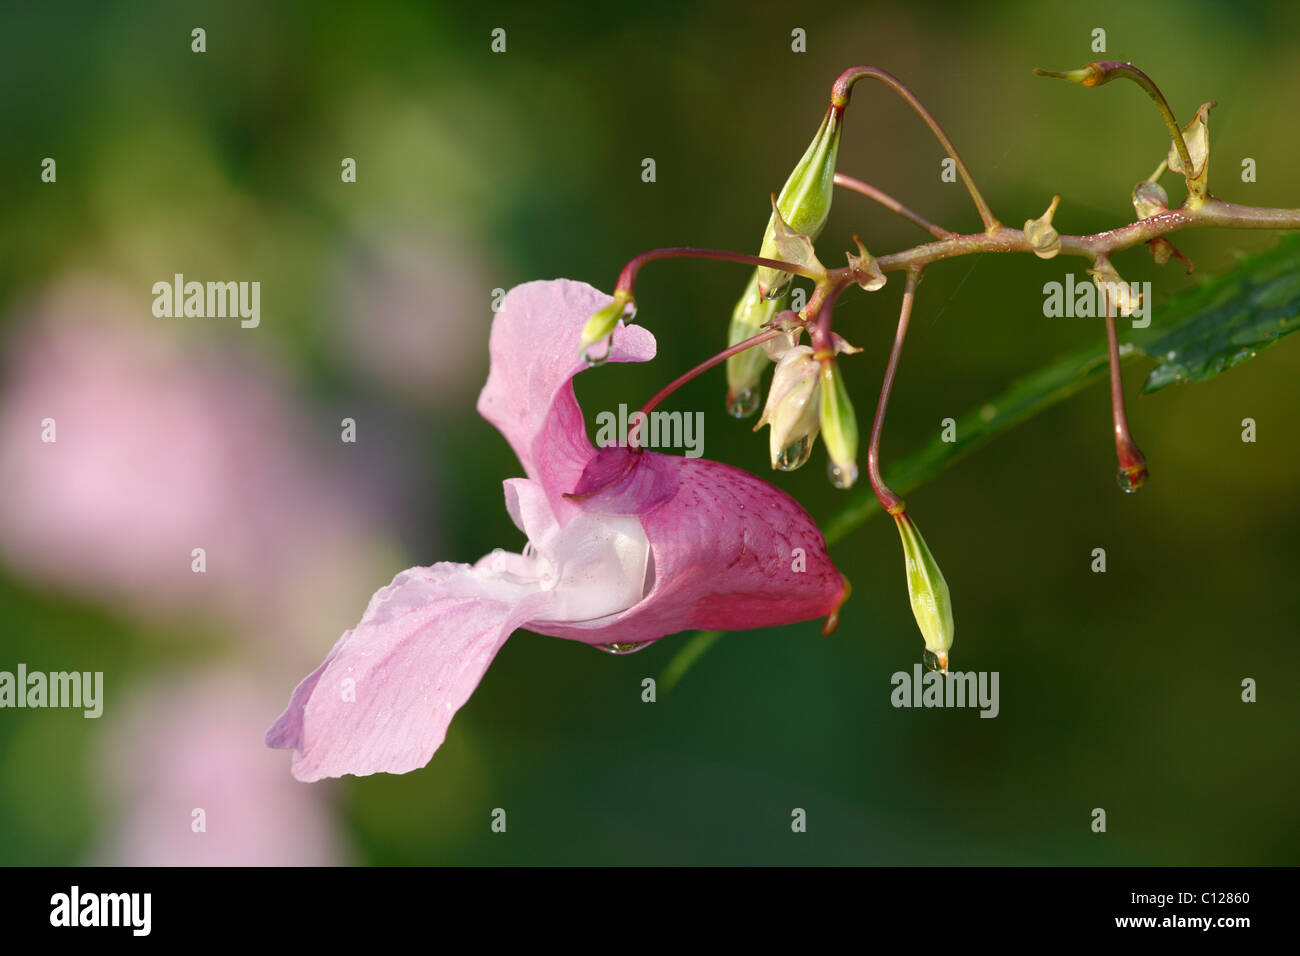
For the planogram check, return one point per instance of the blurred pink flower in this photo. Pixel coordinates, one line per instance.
(402, 318)
(624, 548)
(167, 440)
(192, 788)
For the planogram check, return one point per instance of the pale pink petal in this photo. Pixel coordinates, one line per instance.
(531, 511)
(529, 392)
(383, 698)
(602, 565)
(596, 565)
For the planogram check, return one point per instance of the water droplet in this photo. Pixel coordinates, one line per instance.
(744, 404)
(629, 313)
(1130, 483)
(595, 361)
(935, 662)
(627, 647)
(842, 476)
(781, 288)
(794, 456)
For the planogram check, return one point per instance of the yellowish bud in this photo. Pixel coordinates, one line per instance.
(1043, 238)
(603, 323)
(793, 410)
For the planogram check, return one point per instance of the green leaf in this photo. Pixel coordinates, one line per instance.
(1227, 320)
(690, 651)
(1024, 398)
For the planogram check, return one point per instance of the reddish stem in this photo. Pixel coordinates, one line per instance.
(820, 330)
(890, 203)
(840, 97)
(627, 278)
(1131, 460)
(890, 501)
(764, 336)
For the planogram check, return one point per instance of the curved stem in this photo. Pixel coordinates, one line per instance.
(1132, 462)
(890, 501)
(840, 97)
(764, 336)
(892, 204)
(627, 278)
(820, 330)
(1095, 74)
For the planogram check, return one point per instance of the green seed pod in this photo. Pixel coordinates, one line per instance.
(805, 200)
(839, 426)
(928, 591)
(803, 205)
(745, 369)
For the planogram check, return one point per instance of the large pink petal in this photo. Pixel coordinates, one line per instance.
(384, 696)
(730, 551)
(529, 392)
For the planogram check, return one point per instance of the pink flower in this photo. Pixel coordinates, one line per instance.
(185, 788)
(167, 441)
(624, 547)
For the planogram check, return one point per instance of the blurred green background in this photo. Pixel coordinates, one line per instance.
(479, 171)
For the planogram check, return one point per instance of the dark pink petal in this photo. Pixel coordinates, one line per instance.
(383, 697)
(529, 392)
(619, 482)
(730, 552)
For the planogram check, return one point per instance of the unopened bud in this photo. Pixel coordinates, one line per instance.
(1043, 238)
(791, 326)
(603, 323)
(865, 270)
(793, 409)
(928, 591)
(839, 426)
(745, 369)
(1094, 74)
(805, 200)
(788, 245)
(1162, 250)
(1114, 289)
(1149, 199)
(1196, 135)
